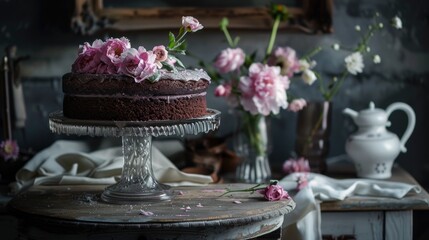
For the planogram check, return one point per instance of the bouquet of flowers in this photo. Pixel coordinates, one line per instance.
(256, 88)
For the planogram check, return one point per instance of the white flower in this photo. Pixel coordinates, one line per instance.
(308, 76)
(397, 22)
(376, 59)
(354, 63)
(368, 49)
(336, 46)
(380, 25)
(357, 28)
(304, 64)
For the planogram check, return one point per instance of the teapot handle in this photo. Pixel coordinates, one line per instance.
(411, 121)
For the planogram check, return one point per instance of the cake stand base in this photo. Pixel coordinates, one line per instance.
(138, 182)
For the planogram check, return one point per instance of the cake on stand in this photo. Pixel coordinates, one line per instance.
(137, 183)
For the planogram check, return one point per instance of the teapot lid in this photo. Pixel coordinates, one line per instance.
(371, 116)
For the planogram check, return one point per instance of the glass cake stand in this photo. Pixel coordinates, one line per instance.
(137, 183)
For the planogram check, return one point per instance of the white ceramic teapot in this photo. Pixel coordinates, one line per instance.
(372, 148)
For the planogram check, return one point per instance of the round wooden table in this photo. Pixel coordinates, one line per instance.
(76, 212)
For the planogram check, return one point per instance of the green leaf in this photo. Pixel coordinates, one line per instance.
(168, 66)
(178, 62)
(171, 40)
(155, 77)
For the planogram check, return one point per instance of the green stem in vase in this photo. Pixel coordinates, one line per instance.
(254, 133)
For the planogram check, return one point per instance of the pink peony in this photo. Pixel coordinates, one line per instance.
(274, 192)
(88, 61)
(9, 149)
(296, 165)
(223, 90)
(286, 58)
(229, 60)
(112, 51)
(264, 90)
(138, 64)
(191, 24)
(297, 105)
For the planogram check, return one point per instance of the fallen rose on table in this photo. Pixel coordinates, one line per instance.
(272, 192)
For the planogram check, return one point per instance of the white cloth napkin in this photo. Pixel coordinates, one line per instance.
(75, 162)
(305, 221)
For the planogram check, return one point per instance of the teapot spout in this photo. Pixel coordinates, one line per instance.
(350, 112)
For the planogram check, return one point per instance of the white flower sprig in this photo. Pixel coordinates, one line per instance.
(354, 62)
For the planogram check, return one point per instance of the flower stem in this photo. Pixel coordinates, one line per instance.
(273, 36)
(251, 189)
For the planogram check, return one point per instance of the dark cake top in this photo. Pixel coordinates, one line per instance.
(116, 56)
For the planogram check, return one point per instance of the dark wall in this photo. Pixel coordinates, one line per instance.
(41, 30)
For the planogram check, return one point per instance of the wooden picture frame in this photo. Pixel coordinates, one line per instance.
(313, 16)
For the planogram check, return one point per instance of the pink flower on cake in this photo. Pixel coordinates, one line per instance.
(88, 61)
(138, 64)
(263, 91)
(223, 90)
(112, 51)
(191, 24)
(161, 54)
(286, 58)
(297, 105)
(229, 60)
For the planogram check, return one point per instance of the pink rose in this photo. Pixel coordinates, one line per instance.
(264, 90)
(88, 61)
(223, 90)
(191, 24)
(293, 165)
(138, 64)
(297, 105)
(286, 58)
(112, 51)
(229, 60)
(161, 54)
(274, 192)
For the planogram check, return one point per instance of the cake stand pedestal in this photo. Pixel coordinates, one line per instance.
(137, 183)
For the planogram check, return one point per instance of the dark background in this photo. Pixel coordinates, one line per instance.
(42, 31)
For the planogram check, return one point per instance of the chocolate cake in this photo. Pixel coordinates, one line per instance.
(176, 95)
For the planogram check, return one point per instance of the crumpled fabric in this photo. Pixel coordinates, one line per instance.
(304, 222)
(75, 162)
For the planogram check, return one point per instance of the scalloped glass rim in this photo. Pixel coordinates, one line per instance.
(63, 125)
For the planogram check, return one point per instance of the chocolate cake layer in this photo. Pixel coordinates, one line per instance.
(135, 109)
(77, 83)
(120, 98)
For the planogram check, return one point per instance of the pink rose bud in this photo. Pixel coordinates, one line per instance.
(297, 105)
(161, 53)
(191, 24)
(274, 192)
(223, 90)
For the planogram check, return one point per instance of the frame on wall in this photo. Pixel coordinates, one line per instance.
(311, 16)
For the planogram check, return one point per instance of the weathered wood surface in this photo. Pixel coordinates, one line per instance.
(412, 201)
(196, 212)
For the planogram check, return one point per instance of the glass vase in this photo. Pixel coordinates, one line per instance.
(251, 144)
(312, 134)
